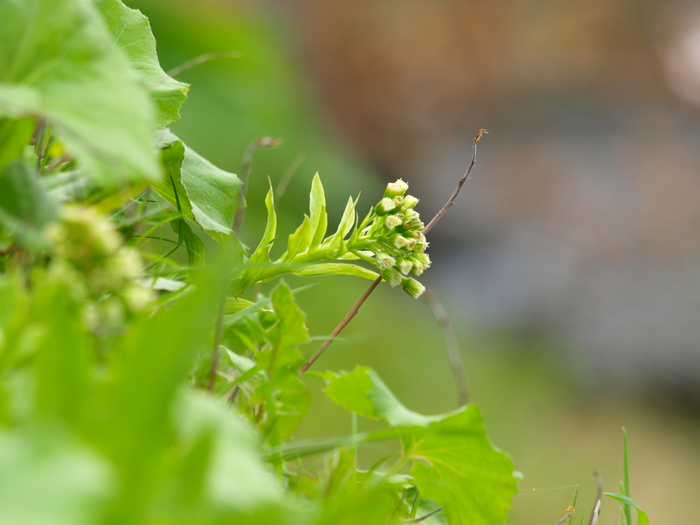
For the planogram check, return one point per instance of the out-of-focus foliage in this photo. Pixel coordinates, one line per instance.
(135, 388)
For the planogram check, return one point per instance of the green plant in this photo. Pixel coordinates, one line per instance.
(146, 377)
(150, 369)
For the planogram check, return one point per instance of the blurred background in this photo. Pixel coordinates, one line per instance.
(570, 265)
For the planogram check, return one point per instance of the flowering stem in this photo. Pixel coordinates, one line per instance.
(353, 311)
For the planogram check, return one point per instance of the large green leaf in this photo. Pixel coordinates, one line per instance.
(133, 35)
(454, 462)
(206, 194)
(456, 465)
(58, 62)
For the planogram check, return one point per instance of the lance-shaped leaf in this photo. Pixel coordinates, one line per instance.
(318, 218)
(58, 62)
(454, 462)
(132, 34)
(206, 194)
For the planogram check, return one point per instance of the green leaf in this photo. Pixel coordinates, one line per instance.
(14, 136)
(335, 241)
(321, 269)
(154, 358)
(58, 62)
(51, 480)
(221, 472)
(318, 218)
(62, 367)
(25, 207)
(456, 465)
(363, 392)
(206, 194)
(642, 518)
(299, 241)
(261, 253)
(132, 34)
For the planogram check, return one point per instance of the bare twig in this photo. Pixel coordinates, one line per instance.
(262, 142)
(595, 513)
(201, 59)
(353, 311)
(448, 335)
(422, 518)
(461, 182)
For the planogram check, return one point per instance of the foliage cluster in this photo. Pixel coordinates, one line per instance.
(146, 376)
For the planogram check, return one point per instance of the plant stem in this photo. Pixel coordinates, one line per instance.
(217, 342)
(200, 60)
(353, 311)
(461, 182)
(358, 304)
(448, 334)
(262, 142)
(422, 518)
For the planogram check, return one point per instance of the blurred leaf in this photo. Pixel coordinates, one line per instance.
(206, 194)
(221, 473)
(58, 61)
(132, 34)
(149, 366)
(25, 208)
(194, 245)
(642, 518)
(51, 481)
(14, 136)
(63, 363)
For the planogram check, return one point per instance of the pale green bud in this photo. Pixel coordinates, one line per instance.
(392, 276)
(392, 221)
(385, 206)
(405, 266)
(409, 201)
(394, 189)
(412, 287)
(385, 261)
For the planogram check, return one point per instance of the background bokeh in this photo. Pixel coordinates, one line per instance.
(571, 264)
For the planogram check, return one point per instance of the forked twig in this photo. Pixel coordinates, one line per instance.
(353, 311)
(461, 182)
(200, 60)
(448, 334)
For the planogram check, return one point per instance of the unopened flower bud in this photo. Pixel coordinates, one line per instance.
(385, 206)
(400, 241)
(385, 261)
(394, 189)
(405, 266)
(409, 202)
(392, 276)
(392, 221)
(412, 287)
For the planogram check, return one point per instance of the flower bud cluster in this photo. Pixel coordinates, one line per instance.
(394, 235)
(89, 253)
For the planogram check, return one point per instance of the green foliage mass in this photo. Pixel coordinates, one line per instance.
(149, 360)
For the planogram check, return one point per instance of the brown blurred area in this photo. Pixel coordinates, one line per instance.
(583, 215)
